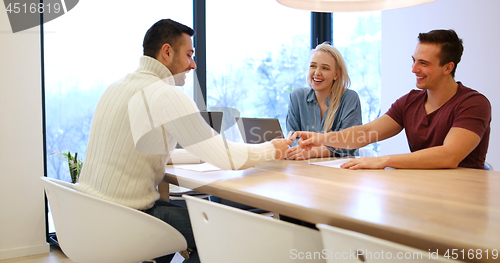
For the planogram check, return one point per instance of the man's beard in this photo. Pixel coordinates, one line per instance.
(178, 73)
(179, 79)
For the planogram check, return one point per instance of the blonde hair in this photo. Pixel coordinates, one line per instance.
(339, 86)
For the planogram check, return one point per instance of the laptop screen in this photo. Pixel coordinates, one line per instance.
(259, 130)
(213, 118)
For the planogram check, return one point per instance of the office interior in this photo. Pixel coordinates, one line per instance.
(22, 216)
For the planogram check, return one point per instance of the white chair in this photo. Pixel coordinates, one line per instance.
(367, 152)
(226, 234)
(93, 230)
(344, 246)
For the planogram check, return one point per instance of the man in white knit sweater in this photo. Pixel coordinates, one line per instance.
(137, 123)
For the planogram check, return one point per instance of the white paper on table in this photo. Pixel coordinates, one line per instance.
(204, 167)
(333, 163)
(181, 156)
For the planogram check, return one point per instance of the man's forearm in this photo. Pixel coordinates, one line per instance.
(351, 138)
(430, 158)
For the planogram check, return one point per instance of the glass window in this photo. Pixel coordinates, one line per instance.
(257, 52)
(357, 35)
(87, 49)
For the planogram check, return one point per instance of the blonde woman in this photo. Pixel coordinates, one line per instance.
(328, 105)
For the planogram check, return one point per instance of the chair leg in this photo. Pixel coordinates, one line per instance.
(164, 189)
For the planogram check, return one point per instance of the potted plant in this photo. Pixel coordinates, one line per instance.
(74, 165)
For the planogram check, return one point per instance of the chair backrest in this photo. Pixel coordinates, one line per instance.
(227, 234)
(94, 230)
(348, 246)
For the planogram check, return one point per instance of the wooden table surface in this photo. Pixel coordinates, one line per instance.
(433, 210)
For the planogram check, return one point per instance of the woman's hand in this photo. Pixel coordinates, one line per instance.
(296, 153)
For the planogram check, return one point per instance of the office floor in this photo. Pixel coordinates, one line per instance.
(56, 256)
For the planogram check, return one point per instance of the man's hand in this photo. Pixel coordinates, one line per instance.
(281, 145)
(309, 139)
(296, 153)
(366, 163)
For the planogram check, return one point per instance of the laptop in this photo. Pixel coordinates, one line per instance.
(213, 118)
(259, 130)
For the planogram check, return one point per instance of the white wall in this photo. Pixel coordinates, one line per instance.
(22, 209)
(476, 22)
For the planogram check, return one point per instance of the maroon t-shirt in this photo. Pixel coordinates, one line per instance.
(467, 109)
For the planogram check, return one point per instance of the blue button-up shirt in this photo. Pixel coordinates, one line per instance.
(304, 114)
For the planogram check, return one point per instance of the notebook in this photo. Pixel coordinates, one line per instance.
(259, 130)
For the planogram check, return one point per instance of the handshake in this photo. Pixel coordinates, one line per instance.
(304, 150)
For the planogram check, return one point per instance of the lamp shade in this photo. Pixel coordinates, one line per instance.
(350, 5)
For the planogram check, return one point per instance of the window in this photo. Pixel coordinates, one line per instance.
(357, 35)
(255, 60)
(256, 55)
(84, 54)
(85, 51)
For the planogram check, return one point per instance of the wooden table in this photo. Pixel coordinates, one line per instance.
(426, 209)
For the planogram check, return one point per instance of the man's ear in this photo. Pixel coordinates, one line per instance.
(166, 53)
(449, 67)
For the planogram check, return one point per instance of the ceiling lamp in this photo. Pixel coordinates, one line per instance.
(350, 5)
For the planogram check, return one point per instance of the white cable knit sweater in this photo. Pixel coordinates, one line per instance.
(125, 165)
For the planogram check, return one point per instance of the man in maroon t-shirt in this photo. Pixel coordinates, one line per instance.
(446, 123)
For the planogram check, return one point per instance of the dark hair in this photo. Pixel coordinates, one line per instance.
(451, 45)
(164, 31)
